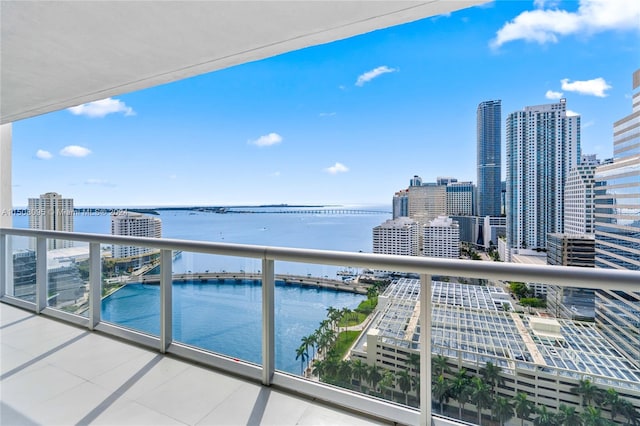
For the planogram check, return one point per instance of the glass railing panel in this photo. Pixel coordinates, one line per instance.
(217, 304)
(127, 300)
(328, 327)
(68, 275)
(21, 252)
(526, 361)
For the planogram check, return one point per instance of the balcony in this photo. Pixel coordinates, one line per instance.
(124, 374)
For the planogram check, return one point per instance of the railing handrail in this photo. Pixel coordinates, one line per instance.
(595, 278)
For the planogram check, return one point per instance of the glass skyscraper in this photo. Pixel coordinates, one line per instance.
(489, 159)
(617, 222)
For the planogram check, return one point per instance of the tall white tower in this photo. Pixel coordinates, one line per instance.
(543, 144)
(51, 212)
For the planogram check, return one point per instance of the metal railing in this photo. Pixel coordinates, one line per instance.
(266, 373)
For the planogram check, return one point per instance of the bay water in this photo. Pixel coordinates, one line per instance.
(226, 317)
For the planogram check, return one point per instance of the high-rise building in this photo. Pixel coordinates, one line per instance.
(489, 158)
(401, 204)
(441, 238)
(571, 250)
(460, 198)
(136, 225)
(428, 201)
(51, 212)
(397, 236)
(617, 233)
(543, 144)
(579, 197)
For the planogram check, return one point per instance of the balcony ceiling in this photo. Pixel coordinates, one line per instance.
(56, 55)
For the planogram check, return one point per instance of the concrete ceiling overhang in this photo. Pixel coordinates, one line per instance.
(58, 54)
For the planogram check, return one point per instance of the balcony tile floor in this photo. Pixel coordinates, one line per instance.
(53, 373)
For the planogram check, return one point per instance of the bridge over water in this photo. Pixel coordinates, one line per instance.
(238, 277)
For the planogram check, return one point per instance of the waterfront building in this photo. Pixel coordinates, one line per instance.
(397, 236)
(472, 325)
(401, 204)
(460, 198)
(579, 197)
(51, 212)
(441, 238)
(617, 232)
(489, 161)
(571, 250)
(427, 201)
(543, 144)
(136, 225)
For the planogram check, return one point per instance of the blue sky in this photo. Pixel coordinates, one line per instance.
(349, 122)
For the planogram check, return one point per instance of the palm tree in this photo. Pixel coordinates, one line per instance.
(359, 371)
(331, 367)
(302, 353)
(439, 366)
(592, 416)
(345, 371)
(630, 413)
(491, 375)
(480, 396)
(386, 383)
(461, 389)
(568, 416)
(588, 391)
(415, 382)
(319, 368)
(440, 388)
(502, 409)
(545, 417)
(523, 406)
(612, 399)
(374, 376)
(414, 362)
(309, 342)
(404, 383)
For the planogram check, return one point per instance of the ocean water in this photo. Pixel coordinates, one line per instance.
(226, 318)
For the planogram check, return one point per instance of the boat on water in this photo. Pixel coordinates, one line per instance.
(348, 272)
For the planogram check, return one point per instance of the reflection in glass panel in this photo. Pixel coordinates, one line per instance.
(23, 264)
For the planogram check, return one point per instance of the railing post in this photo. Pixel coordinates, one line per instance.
(268, 321)
(41, 274)
(4, 264)
(425, 350)
(166, 308)
(95, 285)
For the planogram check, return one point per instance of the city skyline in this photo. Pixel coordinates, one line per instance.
(347, 122)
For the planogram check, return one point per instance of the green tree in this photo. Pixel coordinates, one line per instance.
(502, 410)
(568, 416)
(359, 371)
(461, 389)
(545, 417)
(631, 415)
(492, 374)
(318, 368)
(345, 370)
(440, 388)
(374, 376)
(414, 363)
(302, 353)
(612, 399)
(404, 383)
(439, 366)
(592, 416)
(587, 390)
(481, 396)
(523, 406)
(387, 383)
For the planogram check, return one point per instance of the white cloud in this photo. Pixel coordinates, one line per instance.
(275, 174)
(267, 140)
(370, 75)
(326, 114)
(173, 176)
(553, 95)
(595, 87)
(546, 25)
(101, 108)
(75, 151)
(337, 168)
(572, 113)
(44, 155)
